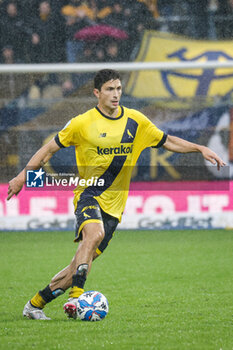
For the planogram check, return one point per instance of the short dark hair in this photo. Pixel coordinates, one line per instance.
(105, 75)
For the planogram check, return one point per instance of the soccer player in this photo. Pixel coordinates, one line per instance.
(108, 140)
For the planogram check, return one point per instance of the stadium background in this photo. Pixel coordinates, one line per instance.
(185, 191)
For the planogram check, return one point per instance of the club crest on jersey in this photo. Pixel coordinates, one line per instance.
(129, 134)
(103, 134)
(115, 150)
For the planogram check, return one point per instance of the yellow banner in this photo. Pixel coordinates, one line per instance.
(163, 47)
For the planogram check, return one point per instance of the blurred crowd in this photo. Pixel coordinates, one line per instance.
(71, 30)
(47, 31)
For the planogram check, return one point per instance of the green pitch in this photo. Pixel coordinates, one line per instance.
(166, 290)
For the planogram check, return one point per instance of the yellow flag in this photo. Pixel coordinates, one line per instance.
(164, 47)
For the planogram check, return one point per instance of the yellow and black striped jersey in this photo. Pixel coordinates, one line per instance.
(108, 148)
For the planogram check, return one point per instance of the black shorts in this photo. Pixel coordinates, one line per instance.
(88, 210)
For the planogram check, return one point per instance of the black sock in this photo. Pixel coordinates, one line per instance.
(79, 279)
(49, 295)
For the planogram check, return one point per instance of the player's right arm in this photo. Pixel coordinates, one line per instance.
(38, 160)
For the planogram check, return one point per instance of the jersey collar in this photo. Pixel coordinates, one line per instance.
(119, 115)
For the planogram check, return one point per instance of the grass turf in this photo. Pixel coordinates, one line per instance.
(166, 290)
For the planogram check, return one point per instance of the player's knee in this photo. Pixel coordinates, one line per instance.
(100, 236)
(95, 236)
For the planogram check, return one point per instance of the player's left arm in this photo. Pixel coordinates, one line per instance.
(176, 144)
(39, 159)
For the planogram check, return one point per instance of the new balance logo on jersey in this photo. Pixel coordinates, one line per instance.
(103, 134)
(115, 150)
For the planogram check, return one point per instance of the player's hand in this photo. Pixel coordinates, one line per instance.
(15, 186)
(212, 157)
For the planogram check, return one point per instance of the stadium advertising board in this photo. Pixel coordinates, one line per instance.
(198, 205)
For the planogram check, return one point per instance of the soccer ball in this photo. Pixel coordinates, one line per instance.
(92, 306)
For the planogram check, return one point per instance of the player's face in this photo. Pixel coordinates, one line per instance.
(109, 95)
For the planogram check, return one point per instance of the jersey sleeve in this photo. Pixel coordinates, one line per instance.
(68, 136)
(155, 136)
(150, 135)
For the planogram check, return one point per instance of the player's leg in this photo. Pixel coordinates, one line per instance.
(63, 278)
(92, 235)
(89, 229)
(95, 239)
(74, 274)
(110, 224)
